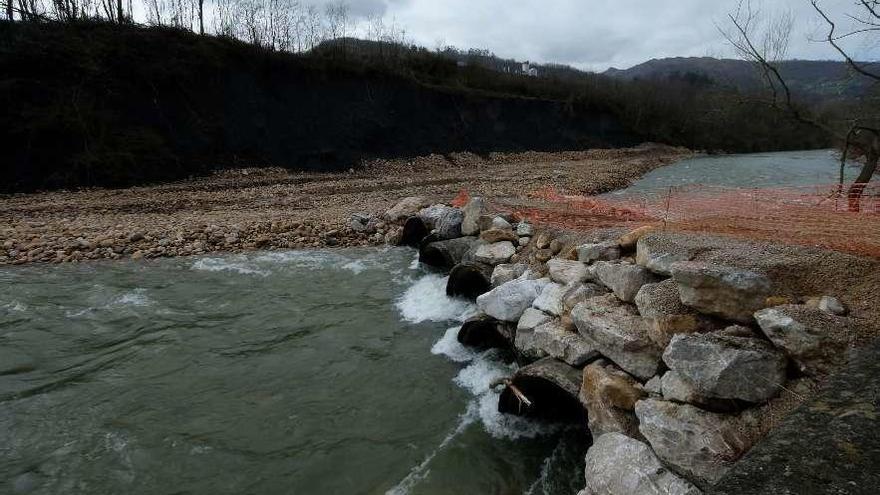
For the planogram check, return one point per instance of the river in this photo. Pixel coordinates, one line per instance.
(308, 372)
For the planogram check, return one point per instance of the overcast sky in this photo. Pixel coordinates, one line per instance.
(595, 34)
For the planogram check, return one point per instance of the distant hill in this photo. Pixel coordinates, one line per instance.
(810, 79)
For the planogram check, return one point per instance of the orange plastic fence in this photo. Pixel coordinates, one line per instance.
(817, 215)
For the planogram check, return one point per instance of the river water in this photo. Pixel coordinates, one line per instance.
(307, 372)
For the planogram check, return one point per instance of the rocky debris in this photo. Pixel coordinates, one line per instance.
(629, 240)
(660, 304)
(445, 220)
(552, 338)
(813, 339)
(485, 332)
(495, 254)
(414, 230)
(359, 222)
(405, 208)
(728, 364)
(525, 229)
(568, 272)
(624, 279)
(722, 291)
(525, 333)
(697, 444)
(472, 211)
(576, 294)
(610, 396)
(602, 251)
(618, 332)
(498, 235)
(550, 299)
(828, 304)
(506, 272)
(448, 253)
(550, 385)
(655, 253)
(469, 280)
(619, 465)
(507, 302)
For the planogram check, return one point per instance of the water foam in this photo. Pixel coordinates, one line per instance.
(236, 265)
(14, 307)
(449, 346)
(426, 300)
(137, 297)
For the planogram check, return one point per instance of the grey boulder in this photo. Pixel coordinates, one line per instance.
(524, 341)
(472, 211)
(601, 251)
(619, 465)
(610, 395)
(405, 208)
(728, 364)
(495, 254)
(504, 273)
(623, 279)
(813, 339)
(660, 304)
(569, 347)
(508, 302)
(721, 290)
(568, 272)
(445, 220)
(551, 299)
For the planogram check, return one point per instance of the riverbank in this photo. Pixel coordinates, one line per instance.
(249, 209)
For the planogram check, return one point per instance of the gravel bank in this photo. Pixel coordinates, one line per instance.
(273, 208)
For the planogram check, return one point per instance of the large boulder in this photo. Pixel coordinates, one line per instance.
(677, 389)
(618, 332)
(721, 290)
(554, 340)
(405, 208)
(495, 254)
(624, 279)
(524, 341)
(504, 273)
(661, 307)
(508, 302)
(469, 280)
(576, 294)
(551, 299)
(657, 254)
(697, 444)
(728, 364)
(448, 253)
(600, 251)
(610, 396)
(619, 465)
(445, 220)
(472, 212)
(814, 339)
(568, 272)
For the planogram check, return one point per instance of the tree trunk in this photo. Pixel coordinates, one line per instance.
(120, 17)
(202, 17)
(9, 9)
(861, 182)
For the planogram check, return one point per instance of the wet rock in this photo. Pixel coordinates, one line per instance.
(414, 230)
(506, 272)
(619, 465)
(660, 304)
(602, 251)
(550, 299)
(525, 333)
(554, 340)
(498, 235)
(495, 254)
(828, 304)
(624, 279)
(486, 332)
(618, 333)
(507, 302)
(469, 280)
(472, 212)
(610, 395)
(721, 290)
(568, 272)
(448, 253)
(728, 365)
(551, 386)
(697, 444)
(813, 339)
(405, 208)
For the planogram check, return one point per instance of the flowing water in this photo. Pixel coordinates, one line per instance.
(307, 372)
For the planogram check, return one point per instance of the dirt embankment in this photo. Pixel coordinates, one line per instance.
(274, 208)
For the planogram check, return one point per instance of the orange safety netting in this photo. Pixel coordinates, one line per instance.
(818, 215)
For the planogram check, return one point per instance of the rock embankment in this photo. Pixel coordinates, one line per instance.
(681, 363)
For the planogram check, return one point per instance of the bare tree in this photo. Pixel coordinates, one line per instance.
(765, 44)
